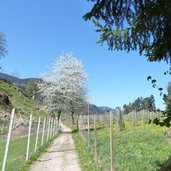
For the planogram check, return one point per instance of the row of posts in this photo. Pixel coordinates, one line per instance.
(52, 128)
(83, 128)
(121, 126)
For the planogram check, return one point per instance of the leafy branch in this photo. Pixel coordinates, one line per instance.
(167, 113)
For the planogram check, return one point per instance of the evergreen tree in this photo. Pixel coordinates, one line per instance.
(139, 104)
(168, 101)
(134, 25)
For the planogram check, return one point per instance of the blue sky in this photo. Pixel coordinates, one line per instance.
(38, 31)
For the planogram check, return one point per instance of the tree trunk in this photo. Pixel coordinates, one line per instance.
(59, 115)
(166, 166)
(77, 121)
(72, 113)
(73, 119)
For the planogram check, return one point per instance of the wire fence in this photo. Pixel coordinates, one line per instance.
(97, 133)
(22, 136)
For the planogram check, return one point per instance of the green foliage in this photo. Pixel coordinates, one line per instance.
(168, 103)
(147, 103)
(166, 121)
(131, 25)
(31, 88)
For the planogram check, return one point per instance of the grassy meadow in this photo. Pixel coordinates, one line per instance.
(141, 148)
(17, 151)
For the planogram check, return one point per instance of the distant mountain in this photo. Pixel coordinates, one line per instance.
(21, 83)
(107, 109)
(93, 109)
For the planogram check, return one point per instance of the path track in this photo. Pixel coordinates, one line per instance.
(61, 156)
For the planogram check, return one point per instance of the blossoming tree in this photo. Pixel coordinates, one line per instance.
(64, 86)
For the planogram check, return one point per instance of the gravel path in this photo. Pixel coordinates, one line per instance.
(61, 156)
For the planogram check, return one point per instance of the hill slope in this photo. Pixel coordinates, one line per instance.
(17, 100)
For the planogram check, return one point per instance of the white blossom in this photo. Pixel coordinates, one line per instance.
(64, 86)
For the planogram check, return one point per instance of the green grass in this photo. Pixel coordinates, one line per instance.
(37, 154)
(142, 148)
(17, 152)
(85, 155)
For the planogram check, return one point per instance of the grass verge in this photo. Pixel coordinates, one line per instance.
(85, 155)
(37, 154)
(17, 152)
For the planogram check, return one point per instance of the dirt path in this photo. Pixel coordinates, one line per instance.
(61, 156)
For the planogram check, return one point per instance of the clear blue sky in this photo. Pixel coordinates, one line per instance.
(38, 31)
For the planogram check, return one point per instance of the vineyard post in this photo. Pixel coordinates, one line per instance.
(95, 138)
(8, 140)
(43, 132)
(111, 142)
(88, 125)
(48, 130)
(143, 117)
(37, 135)
(51, 126)
(28, 140)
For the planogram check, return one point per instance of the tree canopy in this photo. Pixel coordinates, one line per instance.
(168, 101)
(147, 103)
(143, 25)
(64, 86)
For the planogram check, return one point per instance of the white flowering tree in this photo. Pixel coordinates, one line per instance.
(49, 92)
(64, 87)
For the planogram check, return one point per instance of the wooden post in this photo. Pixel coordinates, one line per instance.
(28, 140)
(51, 126)
(95, 139)
(118, 120)
(37, 135)
(111, 143)
(8, 140)
(48, 131)
(59, 127)
(43, 131)
(54, 126)
(132, 117)
(135, 117)
(53, 132)
(143, 117)
(88, 126)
